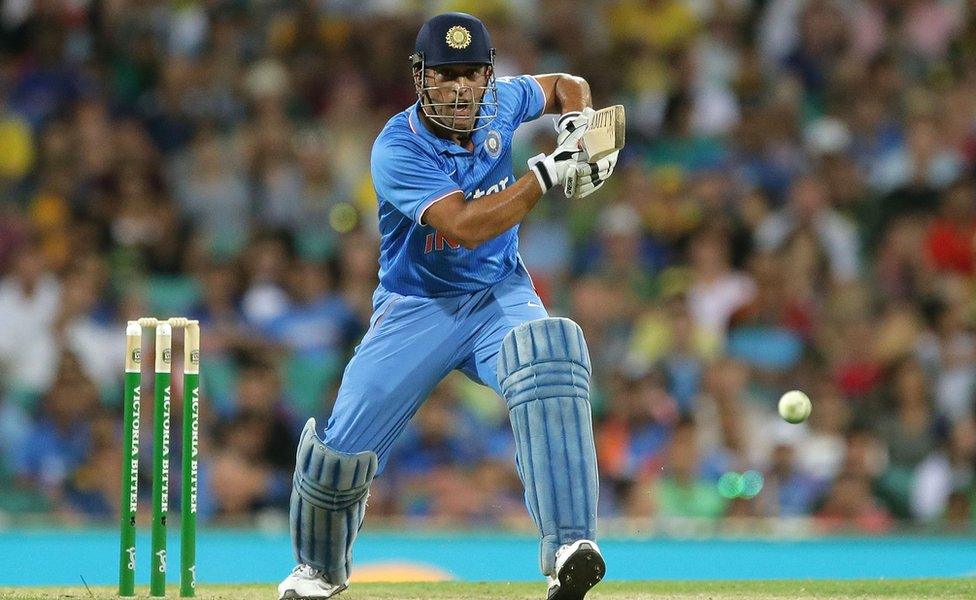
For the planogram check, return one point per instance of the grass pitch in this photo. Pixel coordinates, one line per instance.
(952, 589)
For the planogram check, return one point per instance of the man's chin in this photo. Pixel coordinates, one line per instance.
(459, 124)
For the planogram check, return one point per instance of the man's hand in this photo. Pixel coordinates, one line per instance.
(584, 178)
(551, 170)
(568, 122)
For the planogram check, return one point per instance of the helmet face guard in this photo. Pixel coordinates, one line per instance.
(484, 109)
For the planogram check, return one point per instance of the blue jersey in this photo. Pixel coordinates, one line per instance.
(412, 168)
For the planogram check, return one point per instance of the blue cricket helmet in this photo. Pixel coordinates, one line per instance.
(452, 39)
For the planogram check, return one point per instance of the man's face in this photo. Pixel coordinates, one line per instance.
(455, 92)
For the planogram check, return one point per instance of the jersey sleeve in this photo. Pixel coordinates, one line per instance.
(408, 178)
(524, 96)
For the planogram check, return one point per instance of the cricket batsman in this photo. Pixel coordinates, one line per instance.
(454, 294)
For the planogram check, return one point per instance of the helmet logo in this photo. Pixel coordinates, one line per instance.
(458, 37)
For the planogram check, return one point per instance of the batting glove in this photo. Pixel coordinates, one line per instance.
(568, 122)
(584, 178)
(551, 170)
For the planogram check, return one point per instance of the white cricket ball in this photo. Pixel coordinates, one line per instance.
(795, 407)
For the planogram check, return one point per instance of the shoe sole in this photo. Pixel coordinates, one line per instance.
(582, 570)
(293, 595)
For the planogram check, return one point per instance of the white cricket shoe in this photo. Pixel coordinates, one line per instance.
(579, 567)
(307, 583)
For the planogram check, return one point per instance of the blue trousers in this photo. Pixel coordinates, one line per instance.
(413, 343)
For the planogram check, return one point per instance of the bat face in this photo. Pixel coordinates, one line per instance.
(606, 132)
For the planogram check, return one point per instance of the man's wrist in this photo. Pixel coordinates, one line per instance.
(544, 168)
(565, 121)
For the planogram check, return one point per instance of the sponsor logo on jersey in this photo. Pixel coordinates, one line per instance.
(437, 241)
(501, 185)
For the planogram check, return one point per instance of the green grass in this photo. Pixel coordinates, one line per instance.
(612, 590)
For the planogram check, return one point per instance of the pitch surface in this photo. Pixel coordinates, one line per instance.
(951, 589)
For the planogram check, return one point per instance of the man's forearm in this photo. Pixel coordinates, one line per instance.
(488, 217)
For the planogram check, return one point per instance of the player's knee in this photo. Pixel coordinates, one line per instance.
(330, 479)
(542, 359)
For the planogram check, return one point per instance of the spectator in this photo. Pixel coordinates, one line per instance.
(29, 299)
(851, 507)
(682, 492)
(908, 432)
(788, 491)
(809, 209)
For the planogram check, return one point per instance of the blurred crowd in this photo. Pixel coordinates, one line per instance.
(795, 209)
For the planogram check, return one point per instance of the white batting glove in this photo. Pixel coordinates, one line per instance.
(584, 178)
(551, 170)
(569, 121)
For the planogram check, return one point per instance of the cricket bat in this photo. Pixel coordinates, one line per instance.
(605, 133)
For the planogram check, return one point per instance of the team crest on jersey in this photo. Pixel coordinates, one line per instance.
(493, 144)
(458, 37)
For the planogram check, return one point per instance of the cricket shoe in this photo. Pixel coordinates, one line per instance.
(579, 566)
(307, 583)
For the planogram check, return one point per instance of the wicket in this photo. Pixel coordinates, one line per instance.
(161, 441)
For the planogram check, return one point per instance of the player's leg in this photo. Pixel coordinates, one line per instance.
(507, 305)
(409, 348)
(544, 373)
(413, 343)
(328, 503)
(541, 366)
